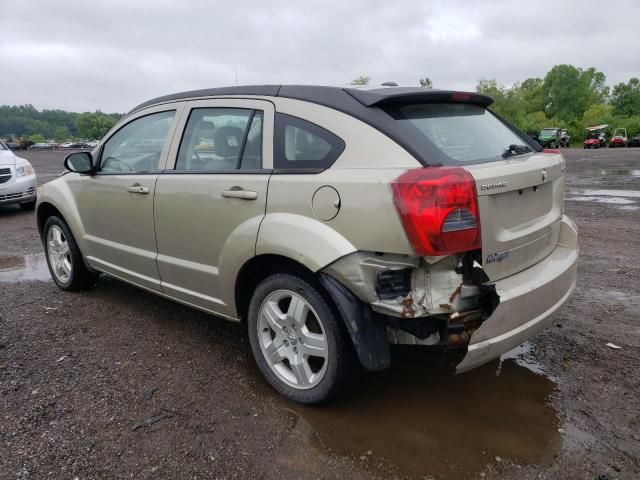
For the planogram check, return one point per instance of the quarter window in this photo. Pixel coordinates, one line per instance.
(221, 139)
(304, 145)
(137, 146)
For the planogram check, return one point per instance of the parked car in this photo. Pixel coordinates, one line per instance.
(619, 138)
(65, 145)
(25, 144)
(17, 180)
(13, 145)
(42, 146)
(369, 232)
(634, 141)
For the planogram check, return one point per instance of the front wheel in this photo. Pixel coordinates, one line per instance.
(64, 259)
(298, 341)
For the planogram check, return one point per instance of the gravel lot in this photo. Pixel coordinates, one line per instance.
(115, 382)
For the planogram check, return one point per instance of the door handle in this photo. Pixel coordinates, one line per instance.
(135, 188)
(242, 194)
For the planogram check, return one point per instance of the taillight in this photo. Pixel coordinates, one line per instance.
(439, 209)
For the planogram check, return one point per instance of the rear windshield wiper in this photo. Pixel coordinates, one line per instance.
(514, 149)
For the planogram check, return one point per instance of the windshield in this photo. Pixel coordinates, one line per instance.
(463, 132)
(595, 135)
(548, 131)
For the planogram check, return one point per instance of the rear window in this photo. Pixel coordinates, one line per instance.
(461, 133)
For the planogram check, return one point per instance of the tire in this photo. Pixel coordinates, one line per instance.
(288, 318)
(27, 206)
(64, 258)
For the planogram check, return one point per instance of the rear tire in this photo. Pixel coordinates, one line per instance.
(298, 340)
(64, 258)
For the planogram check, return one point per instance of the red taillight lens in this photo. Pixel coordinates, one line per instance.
(439, 209)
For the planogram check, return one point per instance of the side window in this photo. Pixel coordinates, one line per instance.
(221, 139)
(137, 146)
(303, 145)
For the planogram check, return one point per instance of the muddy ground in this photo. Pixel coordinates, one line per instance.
(116, 382)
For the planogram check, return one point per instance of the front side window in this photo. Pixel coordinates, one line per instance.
(221, 139)
(465, 133)
(137, 146)
(303, 145)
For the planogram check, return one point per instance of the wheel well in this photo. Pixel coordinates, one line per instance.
(259, 268)
(46, 210)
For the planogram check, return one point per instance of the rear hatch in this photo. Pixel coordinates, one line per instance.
(520, 188)
(520, 202)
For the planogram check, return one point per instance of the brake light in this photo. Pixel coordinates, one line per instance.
(439, 209)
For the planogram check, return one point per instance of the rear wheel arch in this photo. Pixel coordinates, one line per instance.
(257, 268)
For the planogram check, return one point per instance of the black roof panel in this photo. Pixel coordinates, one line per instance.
(334, 97)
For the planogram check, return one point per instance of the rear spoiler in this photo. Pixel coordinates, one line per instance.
(387, 96)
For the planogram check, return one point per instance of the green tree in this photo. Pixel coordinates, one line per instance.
(60, 134)
(570, 91)
(507, 100)
(626, 98)
(94, 125)
(361, 80)
(36, 138)
(426, 83)
(598, 115)
(533, 96)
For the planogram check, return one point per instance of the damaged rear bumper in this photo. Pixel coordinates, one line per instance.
(529, 301)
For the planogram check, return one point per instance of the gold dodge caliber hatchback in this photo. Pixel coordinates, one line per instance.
(333, 221)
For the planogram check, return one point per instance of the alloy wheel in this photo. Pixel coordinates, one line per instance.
(292, 339)
(59, 254)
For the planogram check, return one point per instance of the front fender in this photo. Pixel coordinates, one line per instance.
(58, 194)
(310, 242)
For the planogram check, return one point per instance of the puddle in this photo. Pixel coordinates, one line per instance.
(424, 420)
(523, 355)
(623, 199)
(614, 298)
(609, 200)
(23, 268)
(610, 172)
(605, 193)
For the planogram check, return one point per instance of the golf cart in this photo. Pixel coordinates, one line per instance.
(619, 138)
(595, 137)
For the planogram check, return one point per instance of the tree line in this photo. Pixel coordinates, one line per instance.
(566, 97)
(28, 123)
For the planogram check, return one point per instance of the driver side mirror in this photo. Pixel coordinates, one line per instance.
(79, 162)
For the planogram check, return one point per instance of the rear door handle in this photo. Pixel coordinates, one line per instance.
(242, 194)
(135, 188)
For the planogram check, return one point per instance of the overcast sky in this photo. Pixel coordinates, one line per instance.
(112, 54)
